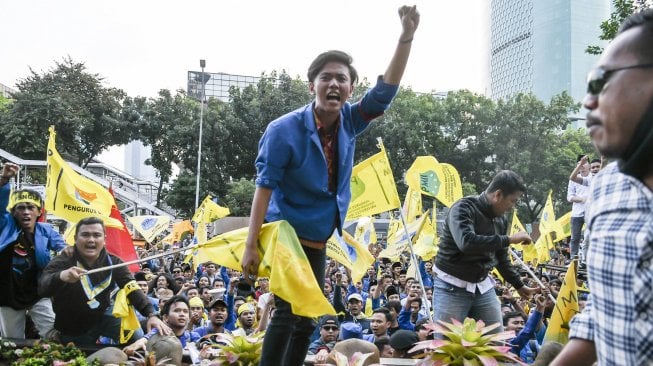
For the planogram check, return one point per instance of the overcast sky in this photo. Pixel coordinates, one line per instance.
(142, 46)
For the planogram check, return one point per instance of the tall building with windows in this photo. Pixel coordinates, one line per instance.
(217, 84)
(539, 46)
(6, 91)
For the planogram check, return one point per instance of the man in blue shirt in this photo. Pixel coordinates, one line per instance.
(25, 246)
(304, 168)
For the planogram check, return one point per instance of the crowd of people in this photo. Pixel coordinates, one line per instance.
(83, 294)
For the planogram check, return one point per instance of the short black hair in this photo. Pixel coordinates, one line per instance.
(394, 304)
(642, 46)
(511, 314)
(332, 56)
(173, 300)
(507, 181)
(385, 312)
(88, 221)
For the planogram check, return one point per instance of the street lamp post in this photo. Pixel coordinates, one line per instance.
(199, 149)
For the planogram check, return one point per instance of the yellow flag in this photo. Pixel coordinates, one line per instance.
(563, 226)
(412, 205)
(209, 211)
(200, 233)
(542, 246)
(565, 309)
(398, 242)
(426, 245)
(283, 262)
(179, 229)
(548, 219)
(123, 309)
(149, 226)
(349, 252)
(72, 196)
(439, 180)
(373, 188)
(365, 231)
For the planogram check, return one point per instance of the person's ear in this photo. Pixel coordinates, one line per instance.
(351, 92)
(311, 88)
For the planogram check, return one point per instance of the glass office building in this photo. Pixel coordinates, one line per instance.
(539, 46)
(217, 84)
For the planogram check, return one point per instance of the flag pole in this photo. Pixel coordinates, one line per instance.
(412, 252)
(135, 261)
(530, 273)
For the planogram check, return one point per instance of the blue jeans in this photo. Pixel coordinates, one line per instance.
(454, 302)
(576, 234)
(288, 335)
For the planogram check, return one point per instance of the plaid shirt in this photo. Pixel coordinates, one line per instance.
(618, 317)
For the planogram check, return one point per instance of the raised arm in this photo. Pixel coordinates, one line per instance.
(409, 21)
(574, 174)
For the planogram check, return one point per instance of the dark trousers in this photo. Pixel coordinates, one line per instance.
(288, 335)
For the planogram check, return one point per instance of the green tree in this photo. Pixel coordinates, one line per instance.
(86, 114)
(527, 139)
(239, 197)
(609, 28)
(165, 121)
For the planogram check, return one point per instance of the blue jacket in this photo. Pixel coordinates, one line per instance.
(291, 162)
(45, 238)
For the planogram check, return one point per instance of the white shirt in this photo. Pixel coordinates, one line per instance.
(483, 286)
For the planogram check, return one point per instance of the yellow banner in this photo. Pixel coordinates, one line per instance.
(565, 309)
(72, 196)
(431, 178)
(149, 226)
(373, 188)
(349, 252)
(209, 211)
(283, 261)
(563, 226)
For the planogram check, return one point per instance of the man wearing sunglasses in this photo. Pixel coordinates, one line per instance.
(616, 325)
(25, 247)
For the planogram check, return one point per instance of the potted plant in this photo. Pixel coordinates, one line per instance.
(466, 343)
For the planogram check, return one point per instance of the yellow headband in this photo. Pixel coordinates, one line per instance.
(25, 197)
(246, 307)
(195, 302)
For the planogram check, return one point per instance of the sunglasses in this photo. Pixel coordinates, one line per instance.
(330, 328)
(598, 77)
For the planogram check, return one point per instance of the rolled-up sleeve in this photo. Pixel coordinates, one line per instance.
(272, 158)
(376, 100)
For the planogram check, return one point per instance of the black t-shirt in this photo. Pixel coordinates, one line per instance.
(20, 282)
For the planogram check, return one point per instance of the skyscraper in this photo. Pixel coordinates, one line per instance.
(539, 46)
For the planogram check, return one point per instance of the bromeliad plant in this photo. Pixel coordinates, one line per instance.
(237, 350)
(357, 359)
(467, 344)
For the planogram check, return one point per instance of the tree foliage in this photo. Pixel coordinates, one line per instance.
(609, 27)
(470, 131)
(86, 115)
